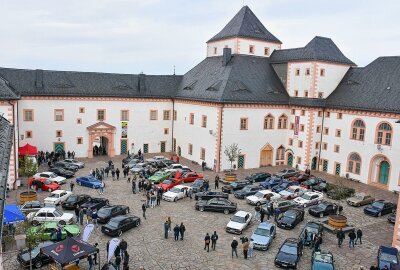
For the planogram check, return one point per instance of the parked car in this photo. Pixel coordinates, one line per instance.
(388, 256)
(43, 184)
(62, 172)
(281, 205)
(289, 219)
(75, 200)
(50, 214)
(336, 192)
(301, 177)
(325, 208)
(312, 182)
(239, 222)
(292, 192)
(313, 227)
(160, 176)
(170, 183)
(88, 181)
(176, 193)
(38, 259)
(360, 199)
(257, 177)
(262, 197)
(75, 162)
(286, 173)
(322, 260)
(263, 235)
(138, 168)
(48, 231)
(284, 185)
(271, 182)
(109, 211)
(392, 218)
(117, 225)
(246, 191)
(216, 205)
(289, 254)
(322, 187)
(32, 206)
(309, 198)
(190, 177)
(95, 203)
(66, 166)
(232, 187)
(379, 208)
(207, 195)
(57, 196)
(52, 177)
(198, 185)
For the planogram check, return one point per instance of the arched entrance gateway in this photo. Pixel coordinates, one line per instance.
(101, 139)
(379, 171)
(266, 155)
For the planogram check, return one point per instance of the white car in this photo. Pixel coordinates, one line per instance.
(52, 177)
(262, 196)
(50, 214)
(292, 192)
(75, 162)
(176, 193)
(238, 222)
(57, 196)
(309, 198)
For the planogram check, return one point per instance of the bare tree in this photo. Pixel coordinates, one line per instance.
(232, 152)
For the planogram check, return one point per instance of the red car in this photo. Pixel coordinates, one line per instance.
(170, 183)
(301, 177)
(190, 177)
(43, 183)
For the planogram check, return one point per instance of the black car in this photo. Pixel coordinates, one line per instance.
(109, 211)
(392, 218)
(247, 191)
(62, 172)
(257, 177)
(95, 203)
(286, 173)
(321, 187)
(232, 187)
(198, 185)
(284, 185)
(75, 200)
(324, 208)
(289, 254)
(207, 195)
(379, 208)
(66, 166)
(289, 219)
(38, 259)
(312, 182)
(117, 225)
(313, 228)
(216, 205)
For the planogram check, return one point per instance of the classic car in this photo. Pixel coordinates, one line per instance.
(216, 205)
(159, 176)
(289, 219)
(322, 187)
(360, 199)
(289, 254)
(313, 181)
(117, 225)
(50, 214)
(263, 235)
(207, 195)
(198, 185)
(170, 183)
(292, 192)
(66, 166)
(322, 260)
(325, 208)
(52, 177)
(75, 162)
(62, 172)
(32, 206)
(379, 208)
(271, 182)
(95, 203)
(75, 200)
(88, 181)
(309, 198)
(301, 177)
(232, 187)
(109, 211)
(286, 173)
(262, 197)
(392, 218)
(388, 256)
(239, 222)
(311, 227)
(43, 184)
(57, 196)
(246, 191)
(38, 259)
(47, 231)
(190, 177)
(280, 205)
(176, 193)
(257, 177)
(284, 185)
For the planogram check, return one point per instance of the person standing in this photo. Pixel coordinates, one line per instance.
(77, 213)
(81, 214)
(251, 248)
(340, 236)
(90, 261)
(117, 173)
(144, 210)
(359, 236)
(207, 239)
(133, 187)
(257, 210)
(166, 229)
(262, 215)
(117, 262)
(217, 181)
(71, 186)
(176, 232)
(107, 170)
(245, 246)
(95, 255)
(203, 165)
(169, 221)
(352, 237)
(234, 246)
(190, 192)
(113, 174)
(317, 242)
(123, 245)
(214, 238)
(94, 217)
(102, 187)
(182, 230)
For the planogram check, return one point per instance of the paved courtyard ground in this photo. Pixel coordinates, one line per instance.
(148, 248)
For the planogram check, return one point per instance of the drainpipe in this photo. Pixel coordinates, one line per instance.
(15, 126)
(172, 128)
(218, 169)
(320, 140)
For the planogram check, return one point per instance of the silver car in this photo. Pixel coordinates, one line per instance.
(75, 162)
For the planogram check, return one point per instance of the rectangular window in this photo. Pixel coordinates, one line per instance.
(300, 144)
(319, 113)
(293, 111)
(167, 115)
(79, 140)
(305, 93)
(308, 71)
(58, 115)
(101, 115)
(318, 129)
(166, 131)
(203, 121)
(290, 141)
(336, 148)
(339, 115)
(251, 49)
(190, 149)
(191, 119)
(297, 72)
(175, 115)
(82, 110)
(338, 133)
(243, 123)
(124, 115)
(327, 114)
(296, 93)
(317, 145)
(58, 133)
(28, 115)
(266, 51)
(298, 160)
(303, 112)
(202, 153)
(320, 95)
(302, 128)
(326, 131)
(28, 134)
(325, 146)
(153, 115)
(215, 50)
(322, 72)
(79, 121)
(291, 126)
(358, 168)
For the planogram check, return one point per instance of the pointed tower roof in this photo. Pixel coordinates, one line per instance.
(245, 24)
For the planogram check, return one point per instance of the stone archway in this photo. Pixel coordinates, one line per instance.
(99, 130)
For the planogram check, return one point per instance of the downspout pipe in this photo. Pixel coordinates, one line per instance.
(15, 126)
(320, 140)
(172, 127)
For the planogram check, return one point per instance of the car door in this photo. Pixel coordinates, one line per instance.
(213, 205)
(50, 216)
(386, 208)
(41, 216)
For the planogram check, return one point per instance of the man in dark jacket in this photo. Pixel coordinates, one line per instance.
(262, 214)
(234, 246)
(359, 236)
(182, 230)
(207, 240)
(144, 210)
(214, 238)
(123, 245)
(340, 236)
(352, 237)
(176, 232)
(217, 181)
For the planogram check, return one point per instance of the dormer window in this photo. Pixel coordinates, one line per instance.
(306, 93)
(215, 50)
(320, 95)
(266, 51)
(251, 49)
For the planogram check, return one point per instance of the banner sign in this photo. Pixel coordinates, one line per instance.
(124, 130)
(296, 125)
(112, 247)
(87, 232)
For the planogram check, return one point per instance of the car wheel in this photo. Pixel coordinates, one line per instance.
(38, 264)
(120, 233)
(62, 222)
(127, 211)
(107, 202)
(175, 199)
(379, 214)
(35, 223)
(321, 215)
(138, 223)
(241, 232)
(201, 209)
(80, 183)
(50, 190)
(94, 187)
(226, 211)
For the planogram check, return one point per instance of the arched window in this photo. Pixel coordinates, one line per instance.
(269, 122)
(280, 153)
(354, 163)
(384, 134)
(358, 130)
(282, 122)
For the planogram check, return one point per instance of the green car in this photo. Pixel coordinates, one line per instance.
(48, 231)
(160, 176)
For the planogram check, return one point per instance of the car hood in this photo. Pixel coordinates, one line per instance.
(235, 225)
(286, 220)
(67, 216)
(354, 200)
(284, 257)
(155, 177)
(170, 194)
(322, 266)
(316, 209)
(72, 229)
(261, 240)
(285, 193)
(51, 199)
(253, 198)
(300, 200)
(25, 256)
(59, 178)
(241, 193)
(372, 209)
(53, 185)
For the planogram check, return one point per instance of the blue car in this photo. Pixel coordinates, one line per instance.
(380, 208)
(387, 256)
(263, 235)
(88, 181)
(271, 182)
(322, 260)
(284, 185)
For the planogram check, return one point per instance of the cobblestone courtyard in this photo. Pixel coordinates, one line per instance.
(148, 248)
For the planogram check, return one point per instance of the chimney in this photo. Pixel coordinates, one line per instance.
(226, 56)
(142, 82)
(39, 79)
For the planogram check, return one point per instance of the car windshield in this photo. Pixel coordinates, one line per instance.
(290, 214)
(388, 258)
(378, 205)
(104, 211)
(306, 197)
(175, 190)
(313, 228)
(35, 252)
(323, 205)
(234, 184)
(324, 258)
(53, 175)
(166, 182)
(238, 219)
(262, 232)
(198, 183)
(72, 198)
(158, 174)
(284, 185)
(54, 195)
(259, 195)
(47, 182)
(57, 213)
(289, 249)
(246, 188)
(113, 224)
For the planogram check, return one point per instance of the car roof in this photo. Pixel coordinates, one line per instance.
(119, 218)
(46, 172)
(312, 193)
(241, 213)
(47, 209)
(291, 241)
(389, 250)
